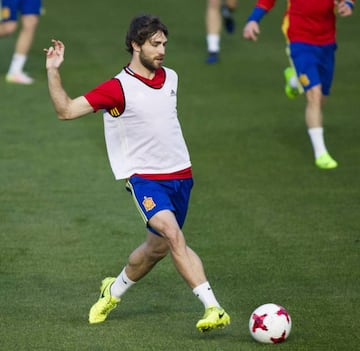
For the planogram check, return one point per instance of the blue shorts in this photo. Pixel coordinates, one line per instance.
(314, 64)
(152, 196)
(11, 8)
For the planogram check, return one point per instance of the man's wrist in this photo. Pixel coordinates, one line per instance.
(257, 14)
(52, 69)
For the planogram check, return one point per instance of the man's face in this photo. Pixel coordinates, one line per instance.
(152, 52)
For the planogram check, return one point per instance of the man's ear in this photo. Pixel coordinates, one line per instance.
(136, 47)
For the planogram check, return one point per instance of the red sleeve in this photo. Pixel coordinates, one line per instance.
(265, 4)
(107, 96)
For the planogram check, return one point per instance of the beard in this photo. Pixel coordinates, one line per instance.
(149, 63)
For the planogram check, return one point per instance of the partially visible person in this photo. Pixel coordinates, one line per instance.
(27, 12)
(310, 31)
(146, 148)
(218, 12)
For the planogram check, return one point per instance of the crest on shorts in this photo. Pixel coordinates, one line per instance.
(304, 80)
(148, 203)
(5, 13)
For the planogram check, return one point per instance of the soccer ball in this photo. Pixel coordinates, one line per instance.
(270, 323)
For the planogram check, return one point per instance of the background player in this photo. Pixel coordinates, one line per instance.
(310, 31)
(29, 11)
(218, 11)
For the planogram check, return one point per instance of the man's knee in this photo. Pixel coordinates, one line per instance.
(314, 94)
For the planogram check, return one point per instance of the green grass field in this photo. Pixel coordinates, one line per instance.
(269, 226)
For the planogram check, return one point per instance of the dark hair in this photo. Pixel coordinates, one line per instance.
(142, 28)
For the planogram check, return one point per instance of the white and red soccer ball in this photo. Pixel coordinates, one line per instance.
(270, 323)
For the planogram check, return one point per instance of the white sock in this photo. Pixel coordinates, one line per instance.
(17, 63)
(317, 140)
(206, 295)
(213, 42)
(121, 285)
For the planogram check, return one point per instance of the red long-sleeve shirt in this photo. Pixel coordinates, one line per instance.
(307, 21)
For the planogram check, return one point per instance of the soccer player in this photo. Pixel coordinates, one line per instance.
(310, 30)
(216, 12)
(29, 11)
(146, 148)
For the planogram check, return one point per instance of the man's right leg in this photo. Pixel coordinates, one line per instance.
(140, 262)
(16, 72)
(213, 30)
(146, 256)
(314, 123)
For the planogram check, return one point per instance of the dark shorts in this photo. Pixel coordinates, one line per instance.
(152, 196)
(314, 64)
(11, 8)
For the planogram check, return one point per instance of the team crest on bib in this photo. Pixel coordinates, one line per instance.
(148, 203)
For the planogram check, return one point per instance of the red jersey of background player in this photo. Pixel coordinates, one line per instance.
(307, 21)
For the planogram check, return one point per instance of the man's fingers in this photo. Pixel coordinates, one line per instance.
(49, 51)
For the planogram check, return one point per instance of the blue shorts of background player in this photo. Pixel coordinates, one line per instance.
(314, 64)
(152, 196)
(11, 8)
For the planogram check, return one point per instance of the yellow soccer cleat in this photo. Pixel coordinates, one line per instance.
(325, 161)
(291, 91)
(214, 317)
(106, 303)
